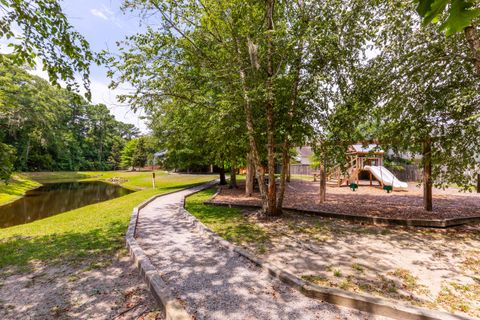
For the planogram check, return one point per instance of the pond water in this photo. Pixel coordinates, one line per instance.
(55, 198)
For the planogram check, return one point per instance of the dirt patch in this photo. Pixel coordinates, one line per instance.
(108, 288)
(436, 269)
(367, 201)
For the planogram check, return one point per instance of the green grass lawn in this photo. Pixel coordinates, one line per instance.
(135, 179)
(97, 229)
(229, 223)
(16, 188)
(21, 183)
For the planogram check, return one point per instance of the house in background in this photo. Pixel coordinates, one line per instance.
(304, 155)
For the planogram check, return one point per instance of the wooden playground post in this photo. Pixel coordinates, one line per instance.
(323, 183)
(153, 179)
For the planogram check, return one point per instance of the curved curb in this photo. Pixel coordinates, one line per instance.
(171, 306)
(425, 223)
(362, 302)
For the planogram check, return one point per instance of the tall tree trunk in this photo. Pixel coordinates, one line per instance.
(250, 128)
(474, 42)
(250, 176)
(285, 173)
(272, 188)
(427, 175)
(233, 175)
(223, 181)
(323, 183)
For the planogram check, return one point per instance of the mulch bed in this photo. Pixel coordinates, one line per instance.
(366, 201)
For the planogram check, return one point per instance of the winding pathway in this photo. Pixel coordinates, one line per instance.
(215, 283)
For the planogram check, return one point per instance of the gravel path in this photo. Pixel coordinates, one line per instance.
(215, 283)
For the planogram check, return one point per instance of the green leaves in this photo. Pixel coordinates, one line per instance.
(459, 13)
(53, 129)
(44, 31)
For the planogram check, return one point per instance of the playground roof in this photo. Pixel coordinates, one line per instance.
(369, 148)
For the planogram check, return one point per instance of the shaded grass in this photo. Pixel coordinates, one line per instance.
(229, 223)
(88, 231)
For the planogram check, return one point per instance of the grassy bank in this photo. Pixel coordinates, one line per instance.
(96, 229)
(21, 183)
(135, 179)
(16, 188)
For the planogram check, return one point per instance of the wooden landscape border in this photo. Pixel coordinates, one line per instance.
(426, 223)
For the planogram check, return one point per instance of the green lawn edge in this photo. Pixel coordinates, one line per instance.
(89, 231)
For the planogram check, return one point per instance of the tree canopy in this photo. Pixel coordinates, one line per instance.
(50, 128)
(39, 29)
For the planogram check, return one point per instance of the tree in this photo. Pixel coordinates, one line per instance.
(245, 61)
(45, 33)
(115, 155)
(127, 154)
(51, 128)
(7, 158)
(426, 102)
(139, 157)
(460, 16)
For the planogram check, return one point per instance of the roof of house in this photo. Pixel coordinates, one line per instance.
(360, 148)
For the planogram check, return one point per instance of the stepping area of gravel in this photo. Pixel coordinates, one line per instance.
(215, 283)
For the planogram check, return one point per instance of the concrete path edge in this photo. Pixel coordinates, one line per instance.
(171, 307)
(362, 302)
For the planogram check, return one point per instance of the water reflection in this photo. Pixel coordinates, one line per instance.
(54, 198)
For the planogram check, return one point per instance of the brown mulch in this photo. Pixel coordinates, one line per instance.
(367, 201)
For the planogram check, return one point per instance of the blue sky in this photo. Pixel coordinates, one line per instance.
(102, 23)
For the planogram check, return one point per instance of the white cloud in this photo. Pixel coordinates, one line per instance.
(99, 13)
(101, 93)
(106, 14)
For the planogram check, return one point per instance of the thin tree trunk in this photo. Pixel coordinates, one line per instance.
(250, 128)
(427, 175)
(272, 191)
(289, 172)
(478, 183)
(27, 152)
(233, 175)
(474, 42)
(223, 181)
(250, 176)
(285, 173)
(323, 183)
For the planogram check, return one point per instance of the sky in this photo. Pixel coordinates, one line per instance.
(102, 23)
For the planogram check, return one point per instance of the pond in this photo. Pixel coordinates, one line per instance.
(55, 198)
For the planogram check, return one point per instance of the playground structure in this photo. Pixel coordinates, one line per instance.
(364, 161)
